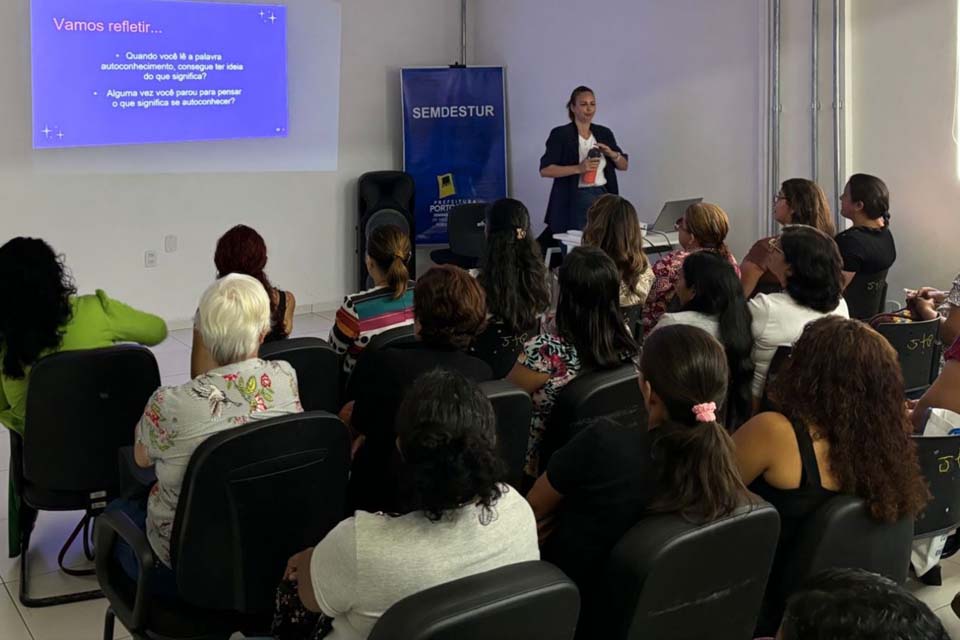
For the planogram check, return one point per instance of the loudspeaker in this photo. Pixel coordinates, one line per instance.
(384, 197)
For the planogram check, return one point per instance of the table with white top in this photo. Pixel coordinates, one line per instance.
(653, 241)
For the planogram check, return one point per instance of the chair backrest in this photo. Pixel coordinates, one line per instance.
(513, 407)
(465, 230)
(940, 463)
(82, 407)
(524, 600)
(843, 534)
(318, 370)
(865, 294)
(670, 578)
(780, 357)
(590, 395)
(918, 348)
(252, 497)
(391, 337)
(633, 314)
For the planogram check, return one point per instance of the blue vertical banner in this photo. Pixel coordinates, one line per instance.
(454, 141)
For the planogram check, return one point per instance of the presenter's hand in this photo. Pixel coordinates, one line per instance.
(590, 164)
(607, 151)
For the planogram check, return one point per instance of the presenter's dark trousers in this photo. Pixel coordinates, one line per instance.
(584, 199)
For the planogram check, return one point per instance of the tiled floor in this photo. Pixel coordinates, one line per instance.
(84, 620)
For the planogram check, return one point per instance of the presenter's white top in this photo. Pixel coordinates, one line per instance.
(777, 319)
(585, 146)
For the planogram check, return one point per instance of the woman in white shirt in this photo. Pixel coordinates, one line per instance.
(713, 300)
(459, 519)
(809, 266)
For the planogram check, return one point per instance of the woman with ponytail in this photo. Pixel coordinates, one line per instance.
(242, 250)
(597, 486)
(713, 300)
(867, 247)
(514, 279)
(389, 304)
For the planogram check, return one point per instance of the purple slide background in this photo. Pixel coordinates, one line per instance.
(66, 72)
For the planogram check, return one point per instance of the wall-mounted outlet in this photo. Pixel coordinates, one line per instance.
(150, 259)
(170, 243)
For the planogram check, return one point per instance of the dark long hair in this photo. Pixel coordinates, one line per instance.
(844, 378)
(36, 288)
(588, 310)
(573, 100)
(809, 204)
(718, 293)
(698, 476)
(389, 247)
(242, 250)
(873, 193)
(815, 279)
(613, 226)
(449, 306)
(512, 273)
(446, 432)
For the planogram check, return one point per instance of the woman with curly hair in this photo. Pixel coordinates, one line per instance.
(514, 279)
(457, 518)
(612, 225)
(800, 201)
(43, 315)
(449, 312)
(808, 265)
(812, 447)
(242, 250)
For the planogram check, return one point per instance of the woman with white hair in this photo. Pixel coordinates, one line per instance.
(234, 318)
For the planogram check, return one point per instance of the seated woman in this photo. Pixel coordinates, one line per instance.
(514, 279)
(799, 201)
(841, 388)
(234, 320)
(867, 247)
(944, 393)
(242, 250)
(929, 303)
(712, 300)
(42, 314)
(389, 304)
(590, 334)
(449, 312)
(459, 520)
(703, 227)
(612, 225)
(598, 485)
(809, 267)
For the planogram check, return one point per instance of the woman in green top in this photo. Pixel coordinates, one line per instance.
(42, 314)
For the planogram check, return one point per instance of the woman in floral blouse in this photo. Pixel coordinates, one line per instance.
(590, 334)
(234, 318)
(703, 227)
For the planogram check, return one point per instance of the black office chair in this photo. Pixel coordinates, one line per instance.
(670, 578)
(633, 314)
(391, 337)
(524, 601)
(82, 406)
(513, 407)
(318, 370)
(252, 496)
(918, 347)
(866, 294)
(467, 238)
(590, 395)
(780, 357)
(940, 464)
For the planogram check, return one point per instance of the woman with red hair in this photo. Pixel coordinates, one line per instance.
(242, 250)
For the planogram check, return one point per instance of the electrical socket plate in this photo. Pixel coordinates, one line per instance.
(170, 243)
(150, 259)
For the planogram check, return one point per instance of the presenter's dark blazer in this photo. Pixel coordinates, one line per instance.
(563, 149)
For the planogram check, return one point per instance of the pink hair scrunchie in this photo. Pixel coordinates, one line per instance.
(705, 412)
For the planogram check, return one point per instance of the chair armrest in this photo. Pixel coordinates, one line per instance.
(110, 526)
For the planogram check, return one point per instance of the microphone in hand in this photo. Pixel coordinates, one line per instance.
(593, 160)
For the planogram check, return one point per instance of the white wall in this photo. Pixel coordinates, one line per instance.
(678, 81)
(904, 57)
(104, 223)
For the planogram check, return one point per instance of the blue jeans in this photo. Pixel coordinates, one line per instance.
(164, 580)
(586, 196)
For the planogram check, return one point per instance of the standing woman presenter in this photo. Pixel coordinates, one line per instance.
(582, 158)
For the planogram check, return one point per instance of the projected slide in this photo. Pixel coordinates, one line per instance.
(116, 72)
